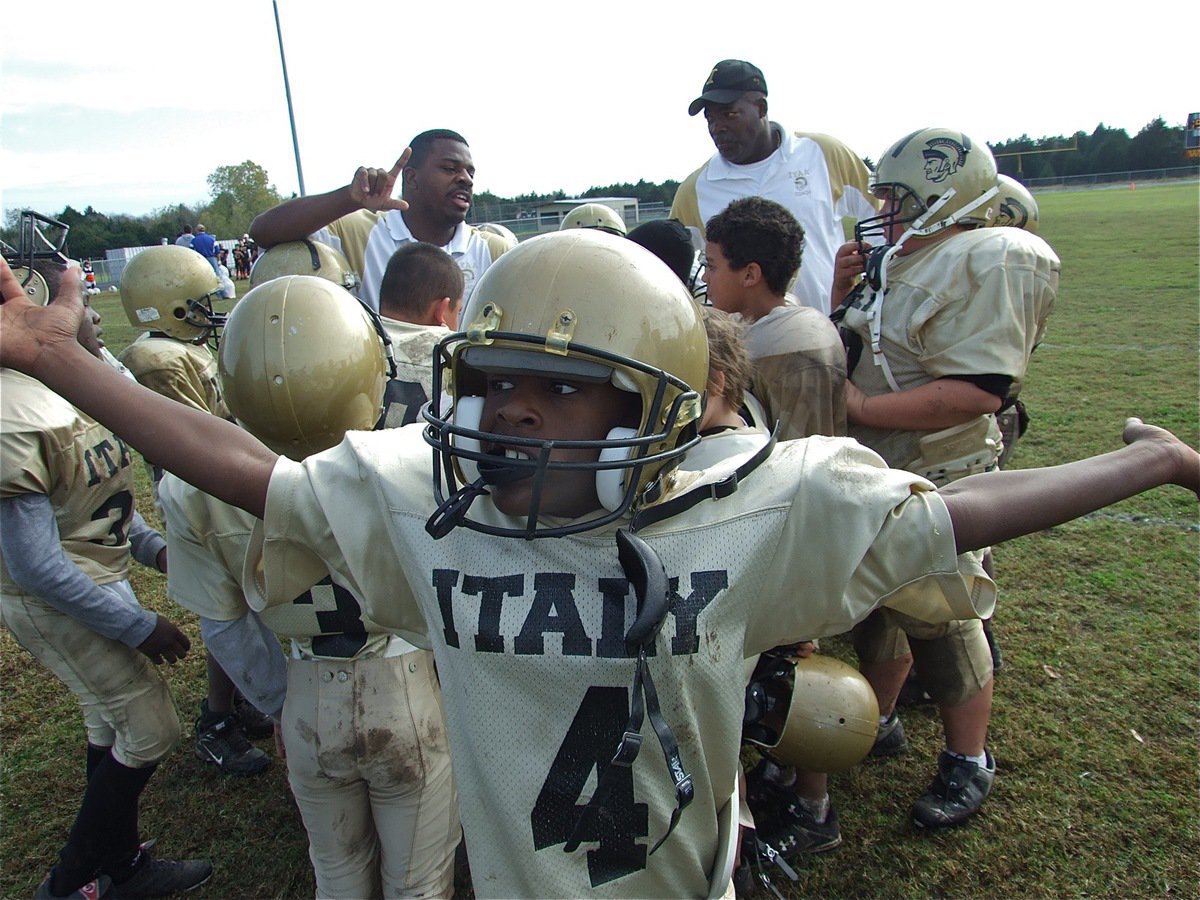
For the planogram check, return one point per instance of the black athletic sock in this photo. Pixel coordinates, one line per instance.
(106, 828)
(95, 756)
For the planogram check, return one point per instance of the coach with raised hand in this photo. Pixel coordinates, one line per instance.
(366, 223)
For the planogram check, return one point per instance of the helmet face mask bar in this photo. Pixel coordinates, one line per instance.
(576, 306)
(39, 238)
(463, 469)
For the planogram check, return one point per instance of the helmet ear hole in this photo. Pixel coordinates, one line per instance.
(610, 483)
(468, 413)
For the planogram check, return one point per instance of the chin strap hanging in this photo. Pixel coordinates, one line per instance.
(645, 572)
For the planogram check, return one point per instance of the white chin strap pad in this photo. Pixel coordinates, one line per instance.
(610, 483)
(468, 413)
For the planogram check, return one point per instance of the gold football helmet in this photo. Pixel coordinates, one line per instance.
(171, 289)
(498, 238)
(937, 177)
(594, 215)
(304, 258)
(302, 363)
(583, 306)
(1016, 207)
(815, 713)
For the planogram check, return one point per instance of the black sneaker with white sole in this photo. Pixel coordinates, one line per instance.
(154, 877)
(956, 792)
(797, 832)
(220, 741)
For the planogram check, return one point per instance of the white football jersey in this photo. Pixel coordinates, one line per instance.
(49, 447)
(973, 304)
(529, 635)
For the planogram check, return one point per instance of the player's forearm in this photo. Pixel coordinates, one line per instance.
(297, 219)
(939, 404)
(214, 455)
(998, 506)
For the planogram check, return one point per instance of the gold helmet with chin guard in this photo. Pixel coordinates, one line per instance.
(302, 362)
(304, 258)
(936, 178)
(171, 289)
(580, 305)
(816, 713)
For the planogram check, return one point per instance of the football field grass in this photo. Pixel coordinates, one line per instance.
(1095, 728)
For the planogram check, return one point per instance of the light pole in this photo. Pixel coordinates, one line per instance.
(288, 91)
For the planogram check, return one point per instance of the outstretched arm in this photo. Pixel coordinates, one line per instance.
(296, 219)
(998, 506)
(216, 456)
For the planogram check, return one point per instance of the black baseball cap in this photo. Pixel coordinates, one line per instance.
(729, 79)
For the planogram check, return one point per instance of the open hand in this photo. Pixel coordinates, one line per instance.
(1186, 459)
(372, 188)
(28, 330)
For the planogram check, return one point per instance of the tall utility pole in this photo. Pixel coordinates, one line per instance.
(288, 91)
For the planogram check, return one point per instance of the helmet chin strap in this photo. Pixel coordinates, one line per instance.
(918, 228)
(450, 514)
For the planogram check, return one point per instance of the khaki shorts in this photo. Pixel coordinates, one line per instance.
(952, 658)
(126, 704)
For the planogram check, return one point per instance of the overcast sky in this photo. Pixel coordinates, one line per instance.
(129, 106)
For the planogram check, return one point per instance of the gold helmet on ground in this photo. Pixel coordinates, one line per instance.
(301, 364)
(937, 178)
(1015, 206)
(304, 258)
(579, 305)
(815, 713)
(594, 215)
(171, 289)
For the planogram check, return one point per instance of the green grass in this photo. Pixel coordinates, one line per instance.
(1096, 716)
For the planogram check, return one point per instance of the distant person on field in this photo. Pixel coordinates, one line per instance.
(186, 237)
(206, 245)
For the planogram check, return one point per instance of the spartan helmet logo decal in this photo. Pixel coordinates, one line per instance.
(1012, 213)
(943, 157)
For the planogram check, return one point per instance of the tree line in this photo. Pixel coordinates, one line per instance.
(239, 192)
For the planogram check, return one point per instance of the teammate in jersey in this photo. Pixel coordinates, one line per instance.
(67, 530)
(171, 291)
(363, 726)
(420, 299)
(939, 340)
(575, 347)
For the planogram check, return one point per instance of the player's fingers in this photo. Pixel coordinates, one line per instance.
(394, 203)
(401, 162)
(10, 288)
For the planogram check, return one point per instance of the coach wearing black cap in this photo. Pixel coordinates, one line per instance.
(817, 177)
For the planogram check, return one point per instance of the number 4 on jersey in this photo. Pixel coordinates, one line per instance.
(588, 745)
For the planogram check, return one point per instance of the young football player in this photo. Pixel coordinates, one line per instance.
(362, 724)
(420, 299)
(573, 403)
(754, 248)
(170, 291)
(67, 530)
(939, 339)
